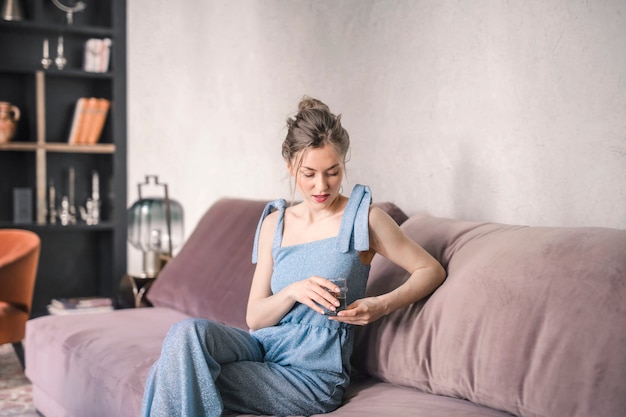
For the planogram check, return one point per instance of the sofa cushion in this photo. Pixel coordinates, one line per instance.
(530, 320)
(96, 362)
(371, 398)
(211, 276)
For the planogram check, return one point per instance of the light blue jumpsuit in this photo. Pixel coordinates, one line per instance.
(301, 366)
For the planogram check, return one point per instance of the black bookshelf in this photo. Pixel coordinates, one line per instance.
(76, 259)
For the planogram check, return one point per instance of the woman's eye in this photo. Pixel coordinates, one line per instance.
(333, 174)
(309, 175)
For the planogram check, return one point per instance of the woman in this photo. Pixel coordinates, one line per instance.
(295, 359)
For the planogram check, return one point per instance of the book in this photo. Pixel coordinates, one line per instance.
(90, 115)
(98, 115)
(87, 310)
(87, 116)
(77, 121)
(81, 303)
(97, 55)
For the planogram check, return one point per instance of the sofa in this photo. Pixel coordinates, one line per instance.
(531, 321)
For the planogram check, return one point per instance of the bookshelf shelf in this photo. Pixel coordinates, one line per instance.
(58, 147)
(52, 72)
(76, 260)
(31, 27)
(18, 146)
(96, 148)
(100, 227)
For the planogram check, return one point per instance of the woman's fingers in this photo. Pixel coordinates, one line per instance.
(313, 292)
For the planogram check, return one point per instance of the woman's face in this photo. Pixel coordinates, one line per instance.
(319, 176)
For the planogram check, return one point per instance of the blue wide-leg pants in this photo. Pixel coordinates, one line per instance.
(207, 368)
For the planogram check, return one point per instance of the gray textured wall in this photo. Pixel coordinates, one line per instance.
(505, 111)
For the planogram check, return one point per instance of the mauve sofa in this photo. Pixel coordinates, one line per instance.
(531, 321)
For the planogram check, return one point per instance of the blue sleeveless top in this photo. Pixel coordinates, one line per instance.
(305, 340)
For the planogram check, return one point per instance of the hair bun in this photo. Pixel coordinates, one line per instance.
(312, 103)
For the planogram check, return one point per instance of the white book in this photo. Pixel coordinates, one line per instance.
(97, 55)
(87, 310)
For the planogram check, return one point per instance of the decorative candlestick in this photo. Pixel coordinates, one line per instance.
(95, 196)
(64, 214)
(46, 61)
(52, 209)
(91, 212)
(72, 197)
(60, 59)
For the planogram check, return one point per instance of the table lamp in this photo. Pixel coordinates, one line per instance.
(155, 226)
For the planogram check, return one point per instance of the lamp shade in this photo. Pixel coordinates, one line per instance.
(148, 228)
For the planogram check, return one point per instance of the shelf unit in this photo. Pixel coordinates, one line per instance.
(78, 259)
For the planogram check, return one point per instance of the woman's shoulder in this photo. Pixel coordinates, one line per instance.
(271, 218)
(271, 213)
(380, 218)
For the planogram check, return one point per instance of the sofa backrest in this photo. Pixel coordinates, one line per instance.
(211, 275)
(530, 320)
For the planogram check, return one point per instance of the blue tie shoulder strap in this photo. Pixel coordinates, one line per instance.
(270, 207)
(355, 221)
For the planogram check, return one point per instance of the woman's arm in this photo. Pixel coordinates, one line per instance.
(387, 239)
(266, 309)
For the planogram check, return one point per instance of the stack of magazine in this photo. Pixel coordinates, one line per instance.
(80, 305)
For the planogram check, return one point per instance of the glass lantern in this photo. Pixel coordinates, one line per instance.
(155, 226)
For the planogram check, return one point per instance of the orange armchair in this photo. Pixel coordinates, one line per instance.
(19, 256)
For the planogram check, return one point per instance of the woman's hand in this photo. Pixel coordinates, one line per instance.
(314, 293)
(362, 312)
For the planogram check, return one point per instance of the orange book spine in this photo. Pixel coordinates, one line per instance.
(87, 124)
(99, 118)
(77, 121)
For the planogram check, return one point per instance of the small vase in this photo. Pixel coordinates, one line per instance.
(9, 115)
(12, 10)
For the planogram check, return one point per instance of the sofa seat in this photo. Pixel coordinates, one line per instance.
(105, 358)
(102, 359)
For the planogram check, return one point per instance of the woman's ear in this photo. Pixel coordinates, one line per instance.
(290, 169)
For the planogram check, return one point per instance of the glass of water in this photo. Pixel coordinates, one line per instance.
(340, 296)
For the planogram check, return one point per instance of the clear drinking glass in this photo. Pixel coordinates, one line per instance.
(340, 296)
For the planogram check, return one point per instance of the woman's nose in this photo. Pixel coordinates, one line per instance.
(321, 183)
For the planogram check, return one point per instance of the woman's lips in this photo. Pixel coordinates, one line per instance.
(321, 197)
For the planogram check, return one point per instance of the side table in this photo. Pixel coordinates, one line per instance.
(139, 284)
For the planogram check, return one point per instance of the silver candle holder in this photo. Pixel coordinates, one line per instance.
(60, 60)
(46, 61)
(91, 212)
